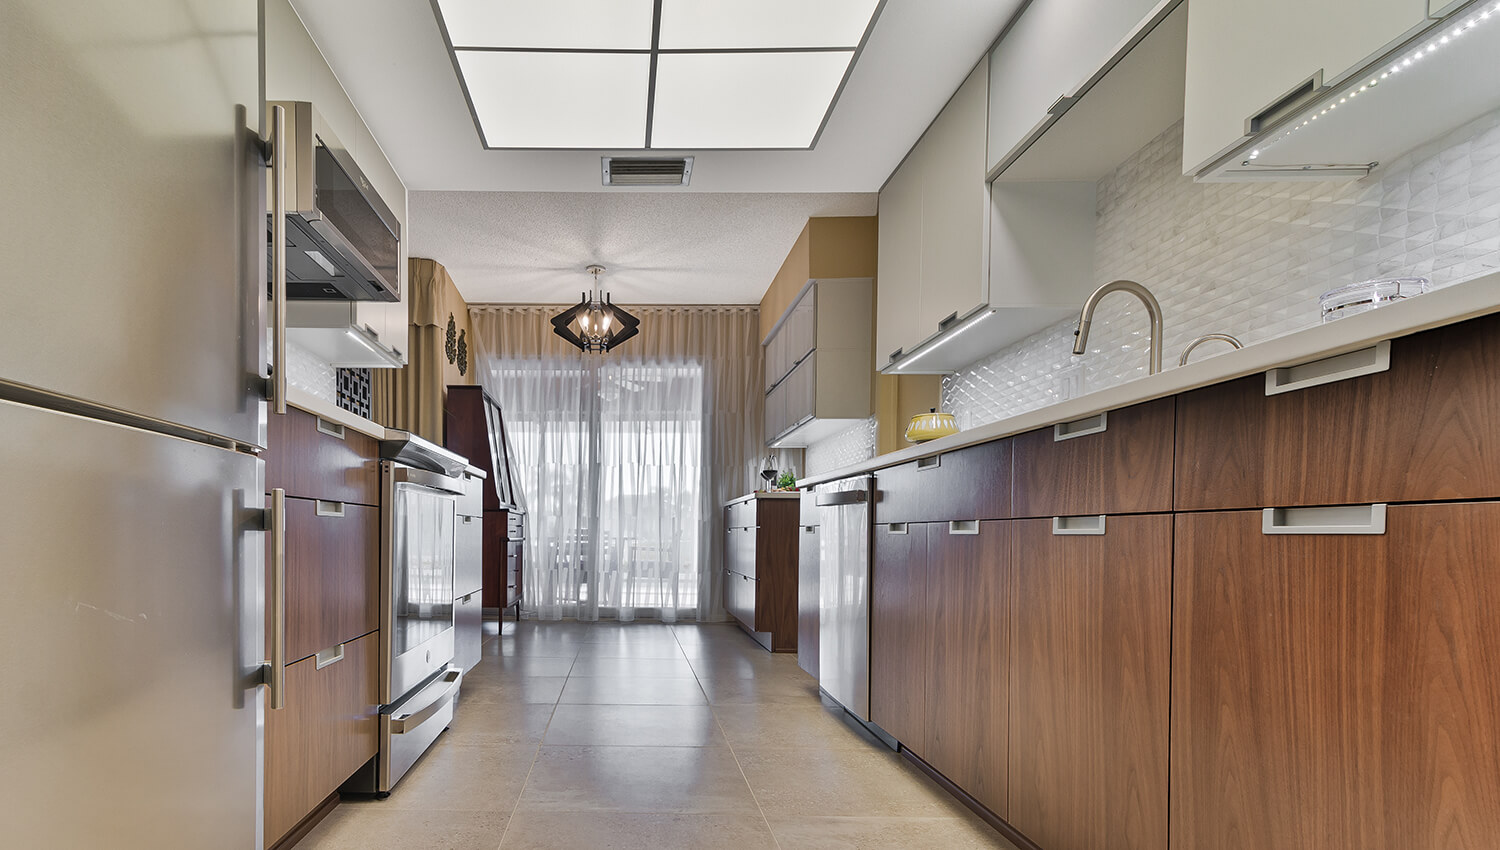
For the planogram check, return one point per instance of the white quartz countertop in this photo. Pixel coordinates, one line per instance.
(1454, 303)
(306, 401)
(765, 494)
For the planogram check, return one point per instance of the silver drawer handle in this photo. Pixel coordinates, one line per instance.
(895, 528)
(963, 526)
(444, 689)
(330, 509)
(930, 462)
(332, 429)
(1095, 424)
(1340, 367)
(332, 655)
(1063, 525)
(1342, 519)
(841, 497)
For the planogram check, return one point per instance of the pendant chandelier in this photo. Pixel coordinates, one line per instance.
(595, 323)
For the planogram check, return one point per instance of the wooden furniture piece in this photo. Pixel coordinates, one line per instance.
(1317, 672)
(760, 567)
(474, 427)
(328, 729)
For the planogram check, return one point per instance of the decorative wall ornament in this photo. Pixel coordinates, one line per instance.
(450, 344)
(463, 353)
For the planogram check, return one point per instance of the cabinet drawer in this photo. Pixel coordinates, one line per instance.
(740, 515)
(468, 630)
(1299, 661)
(739, 552)
(739, 598)
(493, 564)
(327, 730)
(468, 555)
(969, 483)
(471, 503)
(515, 525)
(1117, 462)
(332, 574)
(314, 459)
(1423, 430)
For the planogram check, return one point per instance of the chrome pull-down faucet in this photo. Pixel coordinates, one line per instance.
(1153, 309)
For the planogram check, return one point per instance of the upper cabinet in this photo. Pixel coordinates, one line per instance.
(829, 386)
(1257, 69)
(933, 217)
(1054, 49)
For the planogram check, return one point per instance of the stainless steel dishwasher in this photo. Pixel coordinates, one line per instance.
(844, 592)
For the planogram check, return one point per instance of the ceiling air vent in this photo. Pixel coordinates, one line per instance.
(647, 171)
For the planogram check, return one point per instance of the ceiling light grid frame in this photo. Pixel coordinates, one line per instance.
(654, 53)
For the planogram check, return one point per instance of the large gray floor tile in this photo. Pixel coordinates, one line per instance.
(637, 779)
(457, 777)
(627, 831)
(649, 667)
(499, 722)
(841, 783)
(621, 690)
(742, 690)
(875, 833)
(776, 725)
(634, 725)
(511, 690)
(372, 825)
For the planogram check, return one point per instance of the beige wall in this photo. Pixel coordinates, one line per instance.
(828, 248)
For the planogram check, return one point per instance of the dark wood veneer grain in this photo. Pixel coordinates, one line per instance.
(1127, 468)
(309, 464)
(900, 634)
(332, 576)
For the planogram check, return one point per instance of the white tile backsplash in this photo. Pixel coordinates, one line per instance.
(1249, 259)
(308, 372)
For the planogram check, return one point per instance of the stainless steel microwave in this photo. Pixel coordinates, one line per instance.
(343, 241)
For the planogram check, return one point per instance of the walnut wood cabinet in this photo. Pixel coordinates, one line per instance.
(1337, 691)
(1116, 462)
(474, 427)
(968, 483)
(760, 568)
(968, 690)
(327, 729)
(1090, 621)
(900, 632)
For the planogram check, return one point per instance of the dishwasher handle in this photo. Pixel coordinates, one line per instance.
(842, 497)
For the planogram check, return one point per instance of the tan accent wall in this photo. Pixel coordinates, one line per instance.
(897, 399)
(412, 398)
(828, 247)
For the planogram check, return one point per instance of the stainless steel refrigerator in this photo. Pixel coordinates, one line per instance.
(132, 386)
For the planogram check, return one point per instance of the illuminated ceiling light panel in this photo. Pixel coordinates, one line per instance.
(653, 74)
(549, 25)
(744, 100)
(746, 24)
(558, 100)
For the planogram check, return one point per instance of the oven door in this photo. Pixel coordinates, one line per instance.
(419, 581)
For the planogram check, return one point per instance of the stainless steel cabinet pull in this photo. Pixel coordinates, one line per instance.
(1343, 519)
(332, 429)
(1062, 525)
(1095, 424)
(329, 509)
(442, 692)
(278, 260)
(332, 655)
(896, 528)
(1286, 104)
(930, 462)
(275, 675)
(963, 526)
(1340, 367)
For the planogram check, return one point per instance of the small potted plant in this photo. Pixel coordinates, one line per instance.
(786, 481)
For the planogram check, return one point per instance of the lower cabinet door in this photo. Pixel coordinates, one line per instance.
(968, 576)
(1091, 637)
(900, 633)
(1337, 691)
(468, 630)
(332, 574)
(328, 729)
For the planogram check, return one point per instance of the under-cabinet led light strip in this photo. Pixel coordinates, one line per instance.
(939, 343)
(1444, 37)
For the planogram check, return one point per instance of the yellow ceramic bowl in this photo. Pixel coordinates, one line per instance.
(930, 426)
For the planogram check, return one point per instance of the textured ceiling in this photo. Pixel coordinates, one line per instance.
(694, 248)
(391, 59)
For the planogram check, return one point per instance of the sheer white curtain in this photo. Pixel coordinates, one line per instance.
(625, 458)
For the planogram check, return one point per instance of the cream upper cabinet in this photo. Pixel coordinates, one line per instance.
(1258, 60)
(898, 286)
(955, 199)
(1053, 47)
(933, 220)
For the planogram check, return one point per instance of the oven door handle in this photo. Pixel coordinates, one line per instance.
(445, 687)
(430, 480)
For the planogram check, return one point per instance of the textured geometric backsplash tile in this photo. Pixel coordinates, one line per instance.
(308, 372)
(1249, 259)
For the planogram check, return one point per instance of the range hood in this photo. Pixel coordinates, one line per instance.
(343, 241)
(1429, 85)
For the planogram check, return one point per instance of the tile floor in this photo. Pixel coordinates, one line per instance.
(579, 735)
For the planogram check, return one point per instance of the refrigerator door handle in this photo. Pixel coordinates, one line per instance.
(278, 260)
(274, 670)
